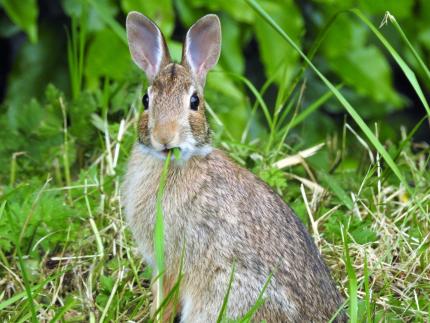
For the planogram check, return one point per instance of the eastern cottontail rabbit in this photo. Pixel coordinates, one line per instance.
(220, 213)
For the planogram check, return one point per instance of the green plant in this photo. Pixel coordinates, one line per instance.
(65, 252)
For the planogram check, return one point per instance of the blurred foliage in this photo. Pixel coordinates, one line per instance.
(347, 53)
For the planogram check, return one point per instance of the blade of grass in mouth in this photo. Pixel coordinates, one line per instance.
(159, 226)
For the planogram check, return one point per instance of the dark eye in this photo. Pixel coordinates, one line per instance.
(194, 102)
(145, 101)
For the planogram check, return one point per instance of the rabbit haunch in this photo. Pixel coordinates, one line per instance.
(220, 214)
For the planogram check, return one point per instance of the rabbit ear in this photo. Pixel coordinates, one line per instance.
(202, 46)
(147, 45)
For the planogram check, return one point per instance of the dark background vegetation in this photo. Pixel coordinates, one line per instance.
(349, 54)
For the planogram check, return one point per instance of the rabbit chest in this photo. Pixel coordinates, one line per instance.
(139, 192)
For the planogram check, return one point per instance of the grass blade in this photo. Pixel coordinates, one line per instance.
(337, 189)
(410, 75)
(312, 108)
(159, 233)
(348, 107)
(257, 95)
(367, 290)
(109, 20)
(68, 305)
(223, 310)
(248, 316)
(27, 285)
(352, 279)
(408, 43)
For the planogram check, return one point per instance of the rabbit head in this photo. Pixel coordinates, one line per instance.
(174, 106)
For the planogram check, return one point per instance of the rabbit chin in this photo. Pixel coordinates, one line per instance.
(188, 150)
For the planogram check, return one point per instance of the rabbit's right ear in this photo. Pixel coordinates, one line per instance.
(147, 45)
(202, 46)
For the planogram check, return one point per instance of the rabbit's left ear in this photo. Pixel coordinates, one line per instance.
(202, 46)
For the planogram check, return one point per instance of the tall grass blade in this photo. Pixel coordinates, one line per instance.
(352, 279)
(222, 312)
(348, 107)
(393, 20)
(117, 28)
(260, 301)
(410, 75)
(312, 108)
(257, 95)
(23, 268)
(337, 189)
(367, 290)
(70, 302)
(159, 233)
(173, 295)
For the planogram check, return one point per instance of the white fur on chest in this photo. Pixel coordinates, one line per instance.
(138, 197)
(139, 193)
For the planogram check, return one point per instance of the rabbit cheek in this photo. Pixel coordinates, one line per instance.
(144, 137)
(199, 128)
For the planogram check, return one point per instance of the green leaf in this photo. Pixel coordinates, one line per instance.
(363, 235)
(231, 55)
(401, 9)
(107, 283)
(24, 14)
(95, 17)
(348, 107)
(367, 70)
(223, 94)
(278, 57)
(107, 56)
(160, 11)
(410, 75)
(337, 189)
(80, 112)
(238, 10)
(35, 66)
(187, 13)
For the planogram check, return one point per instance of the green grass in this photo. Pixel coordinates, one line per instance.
(67, 255)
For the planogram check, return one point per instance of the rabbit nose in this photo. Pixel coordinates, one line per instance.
(165, 133)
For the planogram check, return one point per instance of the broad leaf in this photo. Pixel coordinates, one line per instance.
(368, 71)
(278, 57)
(107, 56)
(160, 11)
(23, 13)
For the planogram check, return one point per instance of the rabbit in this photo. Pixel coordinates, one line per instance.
(217, 215)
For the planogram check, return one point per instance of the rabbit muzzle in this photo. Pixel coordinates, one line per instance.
(165, 136)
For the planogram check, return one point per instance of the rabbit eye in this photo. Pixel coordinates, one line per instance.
(145, 101)
(194, 102)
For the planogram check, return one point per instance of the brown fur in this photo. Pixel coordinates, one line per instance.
(223, 216)
(143, 129)
(173, 307)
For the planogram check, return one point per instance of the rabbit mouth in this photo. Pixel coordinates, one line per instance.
(186, 150)
(166, 151)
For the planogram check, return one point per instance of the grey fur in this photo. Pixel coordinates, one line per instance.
(223, 215)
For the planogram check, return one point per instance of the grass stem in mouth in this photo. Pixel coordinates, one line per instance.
(159, 234)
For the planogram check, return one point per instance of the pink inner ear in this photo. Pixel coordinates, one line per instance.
(148, 48)
(146, 44)
(203, 45)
